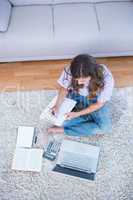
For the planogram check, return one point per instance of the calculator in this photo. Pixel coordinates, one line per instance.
(52, 150)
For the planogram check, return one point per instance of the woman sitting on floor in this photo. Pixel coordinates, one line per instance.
(91, 85)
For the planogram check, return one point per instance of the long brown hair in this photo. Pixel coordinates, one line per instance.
(83, 66)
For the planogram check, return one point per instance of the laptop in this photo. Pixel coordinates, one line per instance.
(78, 159)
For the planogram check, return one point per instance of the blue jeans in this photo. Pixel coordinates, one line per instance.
(97, 122)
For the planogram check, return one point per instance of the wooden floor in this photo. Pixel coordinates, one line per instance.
(43, 74)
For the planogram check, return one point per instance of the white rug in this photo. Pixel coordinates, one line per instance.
(114, 179)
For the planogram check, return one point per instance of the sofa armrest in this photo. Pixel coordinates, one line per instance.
(5, 13)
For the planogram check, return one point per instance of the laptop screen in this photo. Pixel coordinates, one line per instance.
(76, 155)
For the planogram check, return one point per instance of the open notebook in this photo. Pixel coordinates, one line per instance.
(27, 159)
(25, 137)
(78, 159)
(67, 105)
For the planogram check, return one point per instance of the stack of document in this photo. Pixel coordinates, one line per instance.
(66, 106)
(25, 157)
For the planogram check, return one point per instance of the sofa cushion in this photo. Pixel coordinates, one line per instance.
(5, 13)
(72, 1)
(75, 28)
(28, 35)
(30, 2)
(38, 2)
(85, 1)
(116, 30)
(101, 1)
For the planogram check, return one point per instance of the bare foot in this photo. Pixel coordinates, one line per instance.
(55, 129)
(99, 136)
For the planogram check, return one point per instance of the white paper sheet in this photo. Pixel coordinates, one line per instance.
(25, 136)
(27, 159)
(67, 105)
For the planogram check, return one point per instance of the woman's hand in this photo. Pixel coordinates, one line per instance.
(71, 115)
(54, 110)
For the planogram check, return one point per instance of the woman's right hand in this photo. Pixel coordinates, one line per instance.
(54, 110)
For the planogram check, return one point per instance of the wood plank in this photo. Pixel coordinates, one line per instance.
(36, 75)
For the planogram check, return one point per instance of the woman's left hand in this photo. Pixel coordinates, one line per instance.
(71, 115)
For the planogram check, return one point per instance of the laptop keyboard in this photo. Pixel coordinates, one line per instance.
(75, 161)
